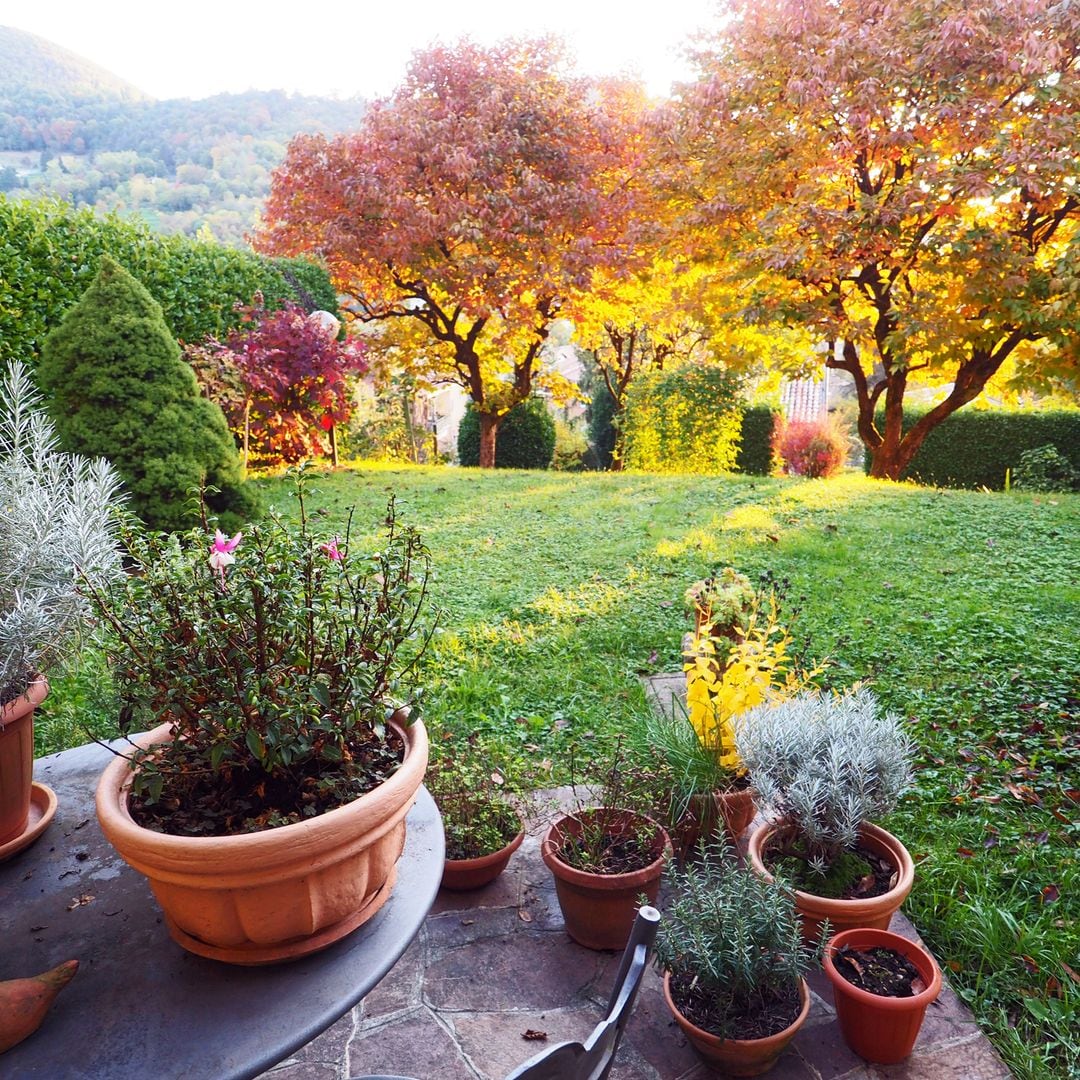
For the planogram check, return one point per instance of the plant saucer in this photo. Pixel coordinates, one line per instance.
(42, 810)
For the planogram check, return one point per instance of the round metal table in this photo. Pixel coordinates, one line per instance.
(140, 1006)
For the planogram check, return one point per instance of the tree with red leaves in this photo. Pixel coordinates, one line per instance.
(291, 372)
(472, 207)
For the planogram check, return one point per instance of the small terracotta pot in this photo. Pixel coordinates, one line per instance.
(705, 814)
(739, 1057)
(599, 909)
(881, 1029)
(277, 894)
(17, 759)
(460, 875)
(874, 911)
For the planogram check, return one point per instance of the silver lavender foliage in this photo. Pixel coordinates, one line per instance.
(57, 524)
(826, 762)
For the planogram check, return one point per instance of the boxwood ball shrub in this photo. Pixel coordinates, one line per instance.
(1044, 469)
(117, 389)
(526, 438)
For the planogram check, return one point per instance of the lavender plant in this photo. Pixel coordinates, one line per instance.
(57, 528)
(827, 763)
(733, 944)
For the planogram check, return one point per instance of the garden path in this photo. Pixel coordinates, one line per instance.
(491, 965)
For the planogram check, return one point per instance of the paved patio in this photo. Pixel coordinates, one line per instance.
(489, 966)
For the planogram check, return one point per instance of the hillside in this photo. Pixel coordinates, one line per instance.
(35, 64)
(69, 128)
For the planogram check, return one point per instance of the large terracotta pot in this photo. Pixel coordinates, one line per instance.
(599, 909)
(739, 1057)
(460, 875)
(278, 894)
(705, 814)
(881, 1029)
(874, 911)
(17, 759)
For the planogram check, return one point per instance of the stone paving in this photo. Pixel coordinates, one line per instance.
(490, 965)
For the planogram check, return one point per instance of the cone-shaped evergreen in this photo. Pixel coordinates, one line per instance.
(118, 389)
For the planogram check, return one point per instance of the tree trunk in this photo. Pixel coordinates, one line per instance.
(489, 429)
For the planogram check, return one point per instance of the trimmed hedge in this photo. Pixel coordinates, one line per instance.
(526, 438)
(601, 426)
(757, 453)
(974, 447)
(50, 253)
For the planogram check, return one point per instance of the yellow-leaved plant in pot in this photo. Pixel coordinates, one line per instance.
(725, 677)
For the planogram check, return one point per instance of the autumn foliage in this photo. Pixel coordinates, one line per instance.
(811, 448)
(281, 379)
(898, 178)
(473, 205)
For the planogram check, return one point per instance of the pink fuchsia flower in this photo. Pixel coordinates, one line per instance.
(221, 552)
(332, 551)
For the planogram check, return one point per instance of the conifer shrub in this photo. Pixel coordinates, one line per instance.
(118, 389)
(526, 438)
(811, 448)
(757, 454)
(602, 432)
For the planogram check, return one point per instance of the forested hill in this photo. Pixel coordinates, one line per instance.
(69, 128)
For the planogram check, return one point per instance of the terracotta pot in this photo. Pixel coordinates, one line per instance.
(17, 759)
(599, 909)
(737, 809)
(875, 911)
(705, 814)
(881, 1029)
(277, 894)
(739, 1057)
(460, 875)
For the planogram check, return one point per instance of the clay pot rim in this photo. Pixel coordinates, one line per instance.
(271, 845)
(482, 861)
(738, 1044)
(26, 702)
(889, 940)
(564, 870)
(867, 830)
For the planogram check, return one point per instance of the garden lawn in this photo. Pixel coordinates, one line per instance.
(962, 609)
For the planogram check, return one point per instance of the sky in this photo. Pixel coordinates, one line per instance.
(194, 48)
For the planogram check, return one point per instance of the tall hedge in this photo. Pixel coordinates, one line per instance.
(526, 438)
(974, 447)
(757, 453)
(683, 421)
(117, 388)
(601, 425)
(50, 252)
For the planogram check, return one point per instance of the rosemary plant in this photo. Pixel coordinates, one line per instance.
(57, 528)
(732, 942)
(827, 763)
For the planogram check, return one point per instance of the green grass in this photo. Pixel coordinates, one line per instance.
(962, 608)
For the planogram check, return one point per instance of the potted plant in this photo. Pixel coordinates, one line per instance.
(267, 808)
(731, 948)
(725, 678)
(57, 520)
(605, 855)
(882, 984)
(482, 828)
(720, 603)
(823, 765)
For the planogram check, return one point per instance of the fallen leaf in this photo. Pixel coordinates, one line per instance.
(524, 916)
(953, 965)
(1030, 964)
(773, 537)
(79, 901)
(967, 853)
(534, 1036)
(665, 603)
(1050, 894)
(1069, 971)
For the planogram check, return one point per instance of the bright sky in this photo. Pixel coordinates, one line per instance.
(194, 48)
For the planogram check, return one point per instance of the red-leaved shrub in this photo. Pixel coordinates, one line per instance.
(811, 447)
